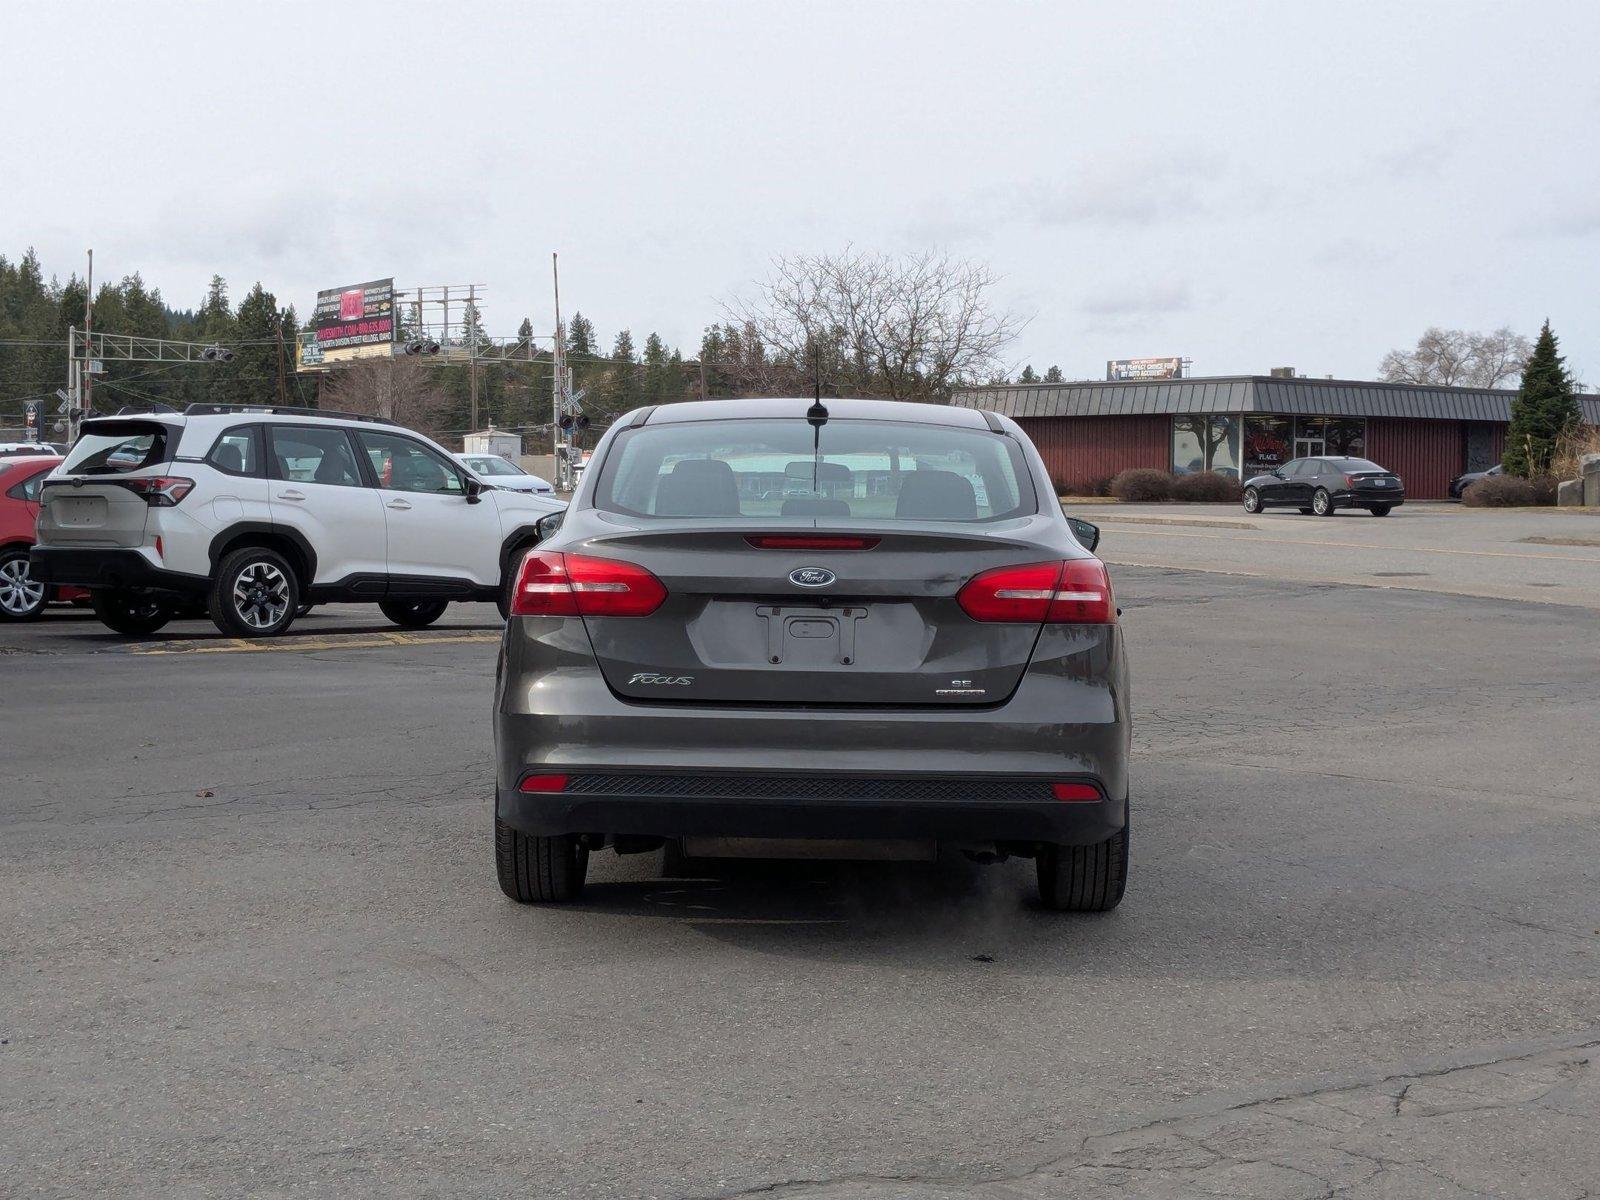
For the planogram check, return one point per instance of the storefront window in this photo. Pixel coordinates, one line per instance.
(1268, 444)
(1347, 436)
(1205, 443)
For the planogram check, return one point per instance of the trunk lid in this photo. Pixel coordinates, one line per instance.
(90, 512)
(812, 627)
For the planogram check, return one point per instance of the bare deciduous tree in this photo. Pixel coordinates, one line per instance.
(907, 328)
(405, 390)
(1459, 358)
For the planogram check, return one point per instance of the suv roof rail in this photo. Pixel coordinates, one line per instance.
(293, 410)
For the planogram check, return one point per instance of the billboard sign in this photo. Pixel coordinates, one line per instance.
(361, 314)
(1144, 368)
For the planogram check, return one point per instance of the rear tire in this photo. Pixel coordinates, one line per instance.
(255, 593)
(21, 599)
(538, 870)
(1252, 500)
(1084, 878)
(1379, 510)
(1322, 503)
(133, 614)
(413, 614)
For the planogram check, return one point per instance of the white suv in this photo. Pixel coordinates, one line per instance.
(255, 512)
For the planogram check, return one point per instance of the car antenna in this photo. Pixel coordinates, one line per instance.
(816, 417)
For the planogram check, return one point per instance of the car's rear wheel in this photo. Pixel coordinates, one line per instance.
(1379, 510)
(255, 593)
(21, 598)
(1084, 878)
(130, 613)
(1252, 500)
(538, 870)
(1322, 503)
(413, 614)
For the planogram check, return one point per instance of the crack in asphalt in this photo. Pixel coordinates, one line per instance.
(1267, 1147)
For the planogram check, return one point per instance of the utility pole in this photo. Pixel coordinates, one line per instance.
(472, 351)
(283, 395)
(558, 384)
(88, 326)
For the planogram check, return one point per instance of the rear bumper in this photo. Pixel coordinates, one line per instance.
(1390, 496)
(107, 568)
(804, 804)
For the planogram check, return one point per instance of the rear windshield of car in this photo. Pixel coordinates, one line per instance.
(1355, 464)
(115, 449)
(759, 469)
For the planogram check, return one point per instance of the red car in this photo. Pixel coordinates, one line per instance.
(20, 598)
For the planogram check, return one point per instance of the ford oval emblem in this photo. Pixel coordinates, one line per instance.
(811, 577)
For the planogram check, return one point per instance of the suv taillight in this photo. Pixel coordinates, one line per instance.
(575, 585)
(1075, 592)
(159, 491)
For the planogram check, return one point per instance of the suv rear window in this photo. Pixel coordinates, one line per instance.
(115, 448)
(759, 469)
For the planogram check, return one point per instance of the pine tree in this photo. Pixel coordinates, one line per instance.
(1027, 375)
(1053, 375)
(581, 337)
(655, 369)
(252, 376)
(622, 387)
(1545, 408)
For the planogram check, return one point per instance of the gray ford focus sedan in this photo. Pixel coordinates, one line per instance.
(793, 628)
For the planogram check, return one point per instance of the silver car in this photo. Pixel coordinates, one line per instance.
(916, 651)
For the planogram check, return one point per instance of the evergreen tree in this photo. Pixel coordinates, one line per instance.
(581, 337)
(1545, 408)
(252, 376)
(1027, 375)
(622, 389)
(471, 331)
(655, 370)
(1053, 375)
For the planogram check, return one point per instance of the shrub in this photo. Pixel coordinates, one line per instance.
(1499, 491)
(1207, 487)
(1098, 485)
(1139, 485)
(1544, 488)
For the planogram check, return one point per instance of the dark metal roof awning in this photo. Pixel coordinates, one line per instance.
(1250, 393)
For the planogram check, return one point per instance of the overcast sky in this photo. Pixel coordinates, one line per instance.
(1249, 185)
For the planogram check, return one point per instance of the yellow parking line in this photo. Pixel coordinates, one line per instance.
(1217, 537)
(367, 641)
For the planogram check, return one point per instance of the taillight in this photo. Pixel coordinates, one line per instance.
(549, 783)
(1349, 481)
(159, 491)
(574, 585)
(1075, 791)
(1076, 592)
(775, 541)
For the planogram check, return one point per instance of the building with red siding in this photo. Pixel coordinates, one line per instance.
(1247, 425)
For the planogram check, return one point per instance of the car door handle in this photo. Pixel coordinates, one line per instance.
(291, 495)
(399, 504)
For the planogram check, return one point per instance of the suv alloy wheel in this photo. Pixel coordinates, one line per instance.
(255, 593)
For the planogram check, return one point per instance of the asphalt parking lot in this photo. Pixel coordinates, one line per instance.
(253, 942)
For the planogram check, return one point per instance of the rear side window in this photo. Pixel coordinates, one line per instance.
(115, 448)
(238, 452)
(759, 469)
(309, 454)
